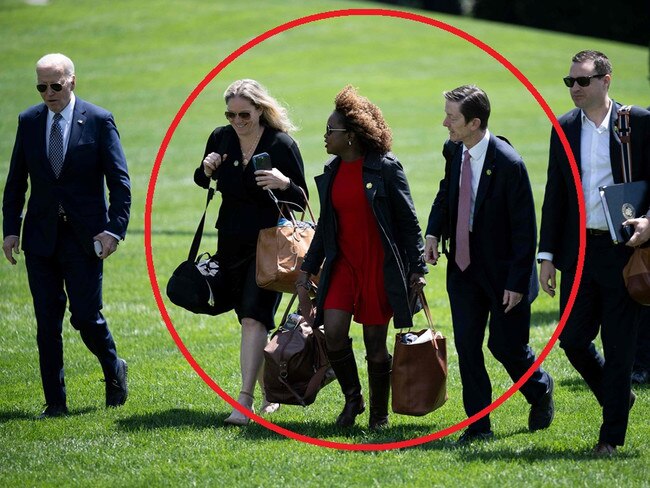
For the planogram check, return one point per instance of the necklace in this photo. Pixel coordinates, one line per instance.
(246, 155)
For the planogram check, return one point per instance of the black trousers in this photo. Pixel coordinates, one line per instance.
(602, 303)
(642, 356)
(475, 305)
(70, 274)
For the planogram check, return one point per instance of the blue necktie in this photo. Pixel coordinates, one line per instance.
(56, 145)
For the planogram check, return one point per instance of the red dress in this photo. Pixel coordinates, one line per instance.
(357, 279)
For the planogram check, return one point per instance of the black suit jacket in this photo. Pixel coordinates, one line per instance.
(504, 231)
(559, 233)
(94, 159)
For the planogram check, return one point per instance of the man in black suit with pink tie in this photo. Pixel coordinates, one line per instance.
(485, 209)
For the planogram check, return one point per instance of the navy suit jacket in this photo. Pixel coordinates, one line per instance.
(504, 232)
(94, 160)
(559, 232)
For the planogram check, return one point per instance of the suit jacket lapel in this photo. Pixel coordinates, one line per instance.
(573, 131)
(615, 144)
(454, 182)
(40, 133)
(77, 125)
(486, 174)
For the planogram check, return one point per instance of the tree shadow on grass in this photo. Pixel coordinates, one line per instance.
(542, 454)
(358, 434)
(175, 417)
(12, 415)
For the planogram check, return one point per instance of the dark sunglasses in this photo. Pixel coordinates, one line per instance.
(329, 130)
(57, 87)
(242, 115)
(582, 80)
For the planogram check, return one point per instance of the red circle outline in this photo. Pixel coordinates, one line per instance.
(233, 56)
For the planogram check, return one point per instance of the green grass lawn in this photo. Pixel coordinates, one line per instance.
(141, 60)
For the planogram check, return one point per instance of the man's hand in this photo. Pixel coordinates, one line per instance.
(547, 277)
(641, 231)
(431, 250)
(109, 244)
(511, 299)
(11, 244)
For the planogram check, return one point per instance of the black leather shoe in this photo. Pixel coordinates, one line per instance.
(53, 411)
(604, 449)
(542, 413)
(468, 437)
(116, 388)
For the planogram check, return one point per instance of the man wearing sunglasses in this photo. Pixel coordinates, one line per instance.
(602, 302)
(66, 151)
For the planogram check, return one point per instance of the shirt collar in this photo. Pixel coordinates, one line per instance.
(478, 151)
(604, 125)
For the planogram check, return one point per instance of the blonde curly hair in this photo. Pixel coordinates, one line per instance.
(364, 119)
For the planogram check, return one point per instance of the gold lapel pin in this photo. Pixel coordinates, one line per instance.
(368, 186)
(489, 172)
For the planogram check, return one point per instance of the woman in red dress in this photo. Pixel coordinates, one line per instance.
(369, 243)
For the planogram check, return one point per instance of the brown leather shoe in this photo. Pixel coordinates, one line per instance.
(604, 449)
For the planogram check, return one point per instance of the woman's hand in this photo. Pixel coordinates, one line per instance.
(211, 162)
(417, 282)
(272, 179)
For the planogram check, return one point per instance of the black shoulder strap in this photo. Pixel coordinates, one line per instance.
(196, 242)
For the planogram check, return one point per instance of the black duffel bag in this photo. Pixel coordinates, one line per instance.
(198, 284)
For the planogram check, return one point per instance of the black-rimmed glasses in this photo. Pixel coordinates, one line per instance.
(329, 130)
(582, 80)
(42, 87)
(242, 115)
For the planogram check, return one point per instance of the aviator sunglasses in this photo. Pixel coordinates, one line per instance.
(329, 130)
(242, 115)
(42, 87)
(582, 80)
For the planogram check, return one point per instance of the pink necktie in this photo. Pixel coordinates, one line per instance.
(462, 224)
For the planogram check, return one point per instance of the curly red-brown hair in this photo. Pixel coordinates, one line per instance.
(364, 119)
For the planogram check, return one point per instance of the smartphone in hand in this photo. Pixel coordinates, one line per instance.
(98, 248)
(262, 161)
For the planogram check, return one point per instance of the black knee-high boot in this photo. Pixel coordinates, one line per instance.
(345, 367)
(379, 387)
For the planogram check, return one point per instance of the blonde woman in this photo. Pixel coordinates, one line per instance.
(257, 123)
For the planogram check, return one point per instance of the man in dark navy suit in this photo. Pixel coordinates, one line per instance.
(485, 209)
(67, 150)
(602, 302)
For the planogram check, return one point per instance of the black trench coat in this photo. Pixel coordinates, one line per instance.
(389, 196)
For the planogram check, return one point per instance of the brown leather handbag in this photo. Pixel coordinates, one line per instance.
(419, 378)
(296, 366)
(637, 275)
(281, 250)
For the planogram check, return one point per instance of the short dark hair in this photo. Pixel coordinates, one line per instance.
(601, 62)
(474, 103)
